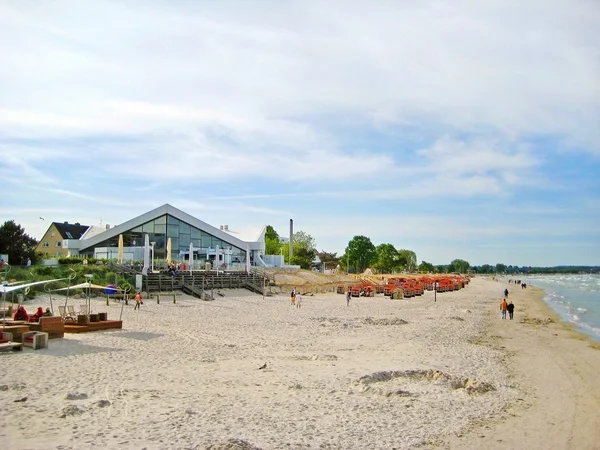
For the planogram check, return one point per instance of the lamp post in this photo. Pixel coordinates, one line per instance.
(152, 264)
(89, 280)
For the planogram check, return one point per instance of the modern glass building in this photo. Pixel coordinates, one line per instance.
(184, 231)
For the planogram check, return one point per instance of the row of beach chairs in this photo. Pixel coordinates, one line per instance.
(69, 314)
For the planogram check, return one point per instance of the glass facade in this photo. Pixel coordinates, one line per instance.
(182, 235)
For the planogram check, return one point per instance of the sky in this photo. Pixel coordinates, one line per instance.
(461, 129)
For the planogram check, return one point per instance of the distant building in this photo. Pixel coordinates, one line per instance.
(51, 244)
(223, 246)
(220, 246)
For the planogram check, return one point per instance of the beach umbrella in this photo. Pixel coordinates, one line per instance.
(191, 256)
(146, 254)
(120, 255)
(169, 251)
(86, 285)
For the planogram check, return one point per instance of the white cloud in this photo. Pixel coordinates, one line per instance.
(254, 106)
(466, 65)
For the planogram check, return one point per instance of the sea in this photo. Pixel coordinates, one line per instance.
(576, 298)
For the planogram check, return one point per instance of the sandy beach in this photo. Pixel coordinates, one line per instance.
(378, 374)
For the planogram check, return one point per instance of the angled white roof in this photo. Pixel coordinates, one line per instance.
(178, 214)
(248, 234)
(93, 231)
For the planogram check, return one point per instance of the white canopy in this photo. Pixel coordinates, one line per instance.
(7, 289)
(87, 285)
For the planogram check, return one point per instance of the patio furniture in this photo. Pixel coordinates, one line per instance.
(6, 342)
(53, 325)
(5, 337)
(35, 339)
(65, 316)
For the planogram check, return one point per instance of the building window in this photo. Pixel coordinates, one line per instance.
(46, 244)
(57, 244)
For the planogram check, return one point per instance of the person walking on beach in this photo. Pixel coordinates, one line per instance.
(298, 301)
(505, 293)
(503, 307)
(293, 296)
(138, 300)
(348, 295)
(511, 309)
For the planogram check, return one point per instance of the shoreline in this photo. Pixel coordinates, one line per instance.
(554, 366)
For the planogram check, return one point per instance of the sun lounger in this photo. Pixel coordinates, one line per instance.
(66, 317)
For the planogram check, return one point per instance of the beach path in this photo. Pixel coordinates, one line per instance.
(557, 370)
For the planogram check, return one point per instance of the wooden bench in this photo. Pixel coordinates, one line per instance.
(53, 325)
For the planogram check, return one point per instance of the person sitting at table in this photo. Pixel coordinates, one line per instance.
(21, 313)
(48, 312)
(36, 317)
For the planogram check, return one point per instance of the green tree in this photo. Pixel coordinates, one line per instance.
(386, 255)
(329, 260)
(440, 268)
(485, 268)
(500, 268)
(459, 265)
(17, 244)
(360, 253)
(304, 250)
(407, 260)
(272, 241)
(426, 267)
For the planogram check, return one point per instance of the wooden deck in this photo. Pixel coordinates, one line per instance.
(93, 326)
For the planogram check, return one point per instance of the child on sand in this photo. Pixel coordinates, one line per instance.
(138, 300)
(298, 300)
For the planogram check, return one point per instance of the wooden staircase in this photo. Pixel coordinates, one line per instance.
(199, 282)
